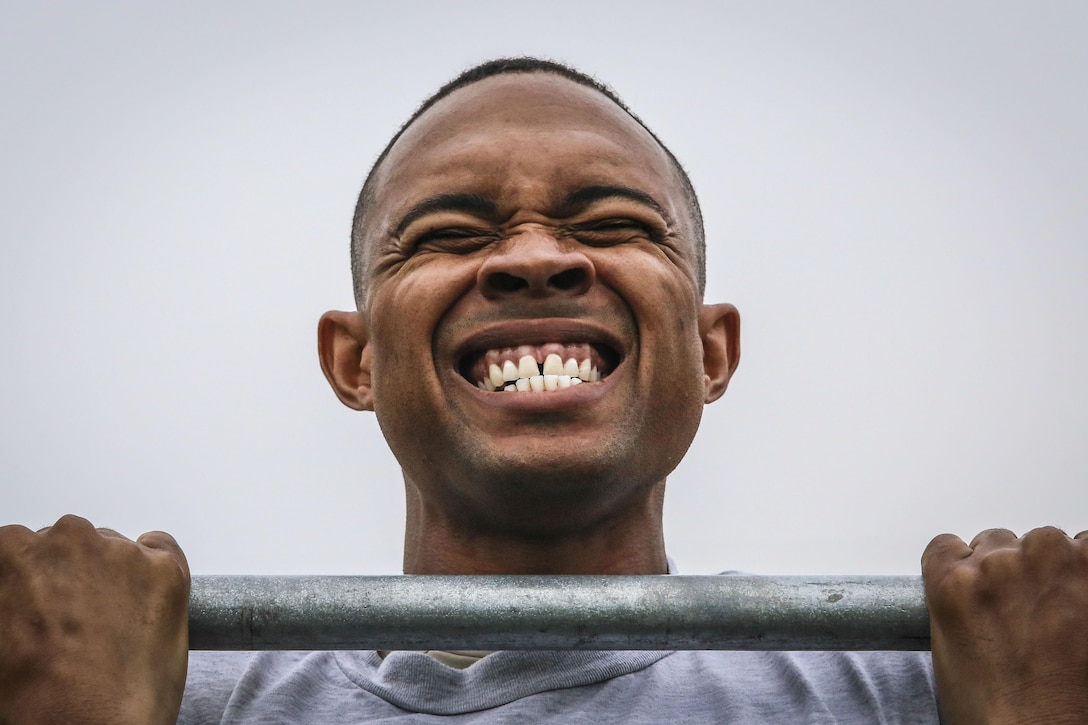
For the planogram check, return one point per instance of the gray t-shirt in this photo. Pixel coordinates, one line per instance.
(567, 687)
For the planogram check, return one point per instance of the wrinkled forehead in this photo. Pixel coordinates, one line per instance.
(561, 132)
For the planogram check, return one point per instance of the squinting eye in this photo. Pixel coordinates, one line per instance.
(616, 224)
(456, 240)
(612, 231)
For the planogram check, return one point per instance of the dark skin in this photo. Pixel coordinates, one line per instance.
(1009, 623)
(93, 627)
(564, 222)
(523, 210)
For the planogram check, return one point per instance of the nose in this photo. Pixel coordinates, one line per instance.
(535, 264)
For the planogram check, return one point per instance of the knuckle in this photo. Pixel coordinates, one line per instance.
(13, 535)
(163, 544)
(999, 565)
(1046, 542)
(952, 588)
(171, 581)
(163, 562)
(1046, 533)
(943, 552)
(941, 540)
(940, 546)
(992, 535)
(158, 540)
(71, 524)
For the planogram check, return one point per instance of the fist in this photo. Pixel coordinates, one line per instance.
(93, 627)
(1009, 625)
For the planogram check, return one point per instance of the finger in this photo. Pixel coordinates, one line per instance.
(993, 539)
(67, 521)
(14, 530)
(71, 521)
(1048, 552)
(1082, 535)
(941, 551)
(69, 525)
(13, 538)
(1047, 531)
(111, 534)
(162, 541)
(1044, 537)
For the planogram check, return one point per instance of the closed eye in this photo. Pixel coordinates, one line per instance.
(617, 230)
(616, 224)
(454, 240)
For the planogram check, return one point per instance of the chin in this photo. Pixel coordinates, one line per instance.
(550, 494)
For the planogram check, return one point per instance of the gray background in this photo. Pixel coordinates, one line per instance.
(894, 195)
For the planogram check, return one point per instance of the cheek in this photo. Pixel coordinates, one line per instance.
(664, 302)
(419, 295)
(662, 296)
(404, 313)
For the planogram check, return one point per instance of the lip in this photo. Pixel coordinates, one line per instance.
(539, 331)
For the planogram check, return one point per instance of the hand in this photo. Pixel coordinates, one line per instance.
(1009, 624)
(93, 627)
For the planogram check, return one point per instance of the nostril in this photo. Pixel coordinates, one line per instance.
(568, 279)
(505, 282)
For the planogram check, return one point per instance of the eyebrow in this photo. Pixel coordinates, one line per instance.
(581, 199)
(476, 204)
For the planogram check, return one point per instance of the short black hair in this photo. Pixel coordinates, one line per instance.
(488, 69)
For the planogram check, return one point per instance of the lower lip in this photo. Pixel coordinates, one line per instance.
(552, 400)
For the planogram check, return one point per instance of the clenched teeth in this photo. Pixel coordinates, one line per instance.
(553, 365)
(527, 367)
(526, 375)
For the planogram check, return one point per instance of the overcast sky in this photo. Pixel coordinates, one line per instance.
(895, 199)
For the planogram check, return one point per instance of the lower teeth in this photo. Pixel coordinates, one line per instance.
(537, 384)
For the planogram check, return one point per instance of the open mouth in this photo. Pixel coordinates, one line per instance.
(538, 368)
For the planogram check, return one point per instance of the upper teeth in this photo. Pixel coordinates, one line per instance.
(528, 376)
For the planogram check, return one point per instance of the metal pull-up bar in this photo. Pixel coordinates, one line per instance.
(558, 612)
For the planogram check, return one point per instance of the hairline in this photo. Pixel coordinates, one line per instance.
(492, 69)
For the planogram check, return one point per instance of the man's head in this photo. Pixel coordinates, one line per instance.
(488, 69)
(526, 219)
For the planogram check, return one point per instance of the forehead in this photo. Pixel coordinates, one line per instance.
(521, 138)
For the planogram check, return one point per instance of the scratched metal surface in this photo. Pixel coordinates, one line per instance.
(558, 612)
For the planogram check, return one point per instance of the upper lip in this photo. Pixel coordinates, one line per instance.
(538, 331)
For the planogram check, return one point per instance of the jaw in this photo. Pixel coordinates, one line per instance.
(542, 461)
(535, 485)
(631, 425)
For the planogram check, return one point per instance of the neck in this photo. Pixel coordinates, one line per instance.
(628, 542)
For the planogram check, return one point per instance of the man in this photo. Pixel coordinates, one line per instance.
(530, 332)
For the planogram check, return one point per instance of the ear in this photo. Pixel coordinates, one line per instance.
(343, 346)
(719, 330)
